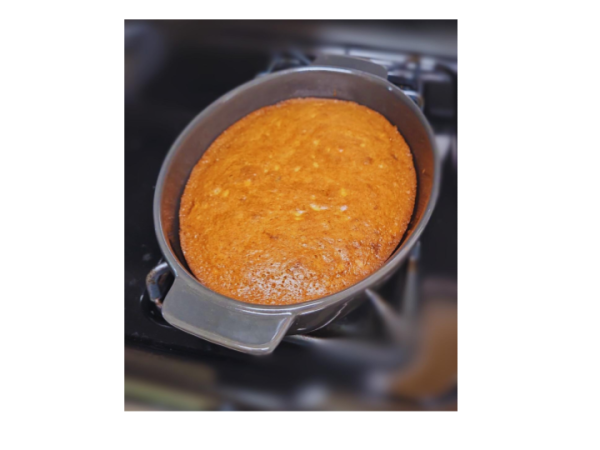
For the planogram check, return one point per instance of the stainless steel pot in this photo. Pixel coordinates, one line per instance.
(258, 329)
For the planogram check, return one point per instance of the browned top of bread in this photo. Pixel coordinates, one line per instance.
(297, 201)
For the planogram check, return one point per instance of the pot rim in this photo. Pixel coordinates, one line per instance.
(390, 265)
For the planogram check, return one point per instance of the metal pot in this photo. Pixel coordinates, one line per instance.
(258, 329)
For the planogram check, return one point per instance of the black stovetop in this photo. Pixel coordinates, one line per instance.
(164, 92)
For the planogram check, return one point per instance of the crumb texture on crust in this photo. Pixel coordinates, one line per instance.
(297, 201)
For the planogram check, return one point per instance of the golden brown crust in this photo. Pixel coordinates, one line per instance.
(297, 201)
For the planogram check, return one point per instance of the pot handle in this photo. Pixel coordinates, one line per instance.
(348, 62)
(208, 316)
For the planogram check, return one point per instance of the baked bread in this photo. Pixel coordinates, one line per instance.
(297, 201)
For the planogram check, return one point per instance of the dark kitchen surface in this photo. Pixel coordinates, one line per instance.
(168, 81)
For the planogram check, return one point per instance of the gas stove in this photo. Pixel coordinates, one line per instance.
(374, 358)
